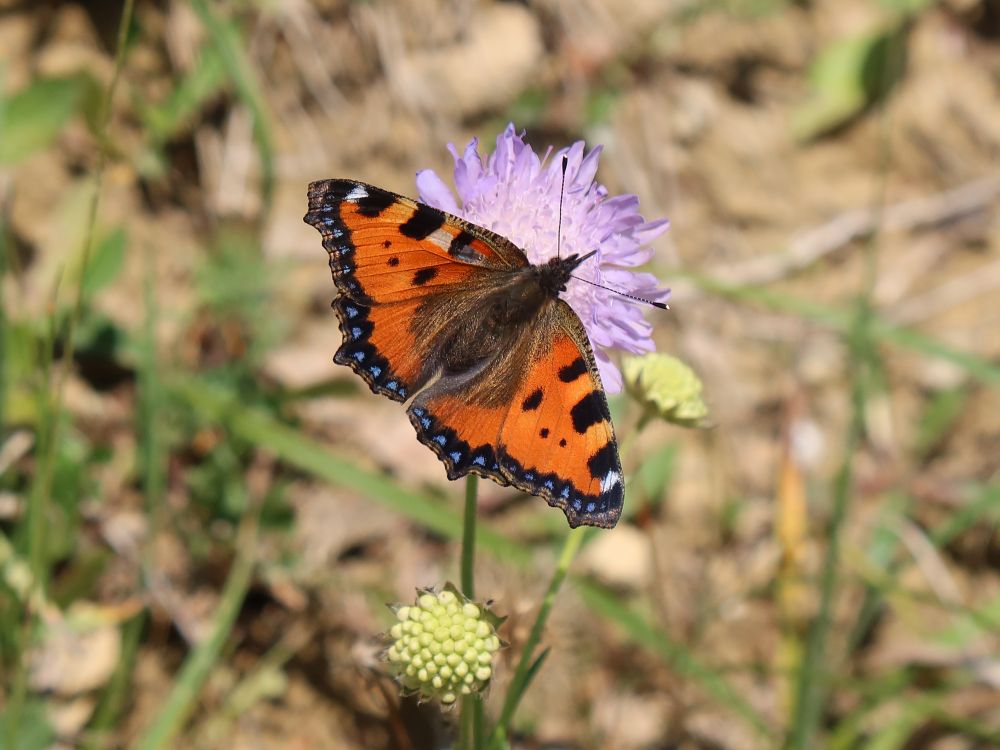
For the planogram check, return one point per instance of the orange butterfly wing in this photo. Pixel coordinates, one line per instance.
(387, 255)
(386, 248)
(558, 441)
(553, 439)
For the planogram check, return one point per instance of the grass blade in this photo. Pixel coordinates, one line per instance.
(840, 320)
(183, 696)
(226, 37)
(294, 449)
(674, 654)
(115, 696)
(522, 675)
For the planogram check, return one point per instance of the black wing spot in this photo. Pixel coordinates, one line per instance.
(603, 461)
(533, 401)
(460, 244)
(544, 432)
(335, 190)
(572, 371)
(393, 261)
(562, 443)
(387, 244)
(375, 202)
(424, 275)
(424, 221)
(589, 410)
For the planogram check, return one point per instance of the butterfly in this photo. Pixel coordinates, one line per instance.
(497, 370)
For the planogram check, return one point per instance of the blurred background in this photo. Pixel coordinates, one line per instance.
(202, 518)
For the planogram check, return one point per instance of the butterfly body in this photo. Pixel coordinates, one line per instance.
(452, 319)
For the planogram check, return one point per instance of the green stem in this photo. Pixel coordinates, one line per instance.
(812, 684)
(102, 725)
(465, 724)
(472, 705)
(519, 683)
(469, 537)
(478, 722)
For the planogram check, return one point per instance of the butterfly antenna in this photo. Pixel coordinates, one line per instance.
(562, 194)
(634, 298)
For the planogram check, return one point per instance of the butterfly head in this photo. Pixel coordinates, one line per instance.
(555, 275)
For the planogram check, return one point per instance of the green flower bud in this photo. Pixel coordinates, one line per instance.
(443, 646)
(667, 387)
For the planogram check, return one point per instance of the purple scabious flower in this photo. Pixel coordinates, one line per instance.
(515, 193)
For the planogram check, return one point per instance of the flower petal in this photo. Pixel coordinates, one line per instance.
(517, 193)
(588, 167)
(434, 192)
(651, 230)
(611, 377)
(468, 170)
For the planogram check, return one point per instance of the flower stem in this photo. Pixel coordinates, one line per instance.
(469, 536)
(524, 671)
(472, 705)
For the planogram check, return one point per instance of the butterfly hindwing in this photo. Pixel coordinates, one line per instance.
(463, 435)
(557, 440)
(379, 346)
(551, 435)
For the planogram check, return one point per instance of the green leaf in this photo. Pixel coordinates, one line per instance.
(105, 262)
(938, 418)
(981, 507)
(848, 76)
(177, 111)
(656, 471)
(33, 729)
(972, 626)
(31, 119)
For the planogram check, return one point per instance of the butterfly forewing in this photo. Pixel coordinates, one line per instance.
(387, 255)
(386, 248)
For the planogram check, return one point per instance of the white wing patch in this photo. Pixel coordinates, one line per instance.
(610, 480)
(357, 193)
